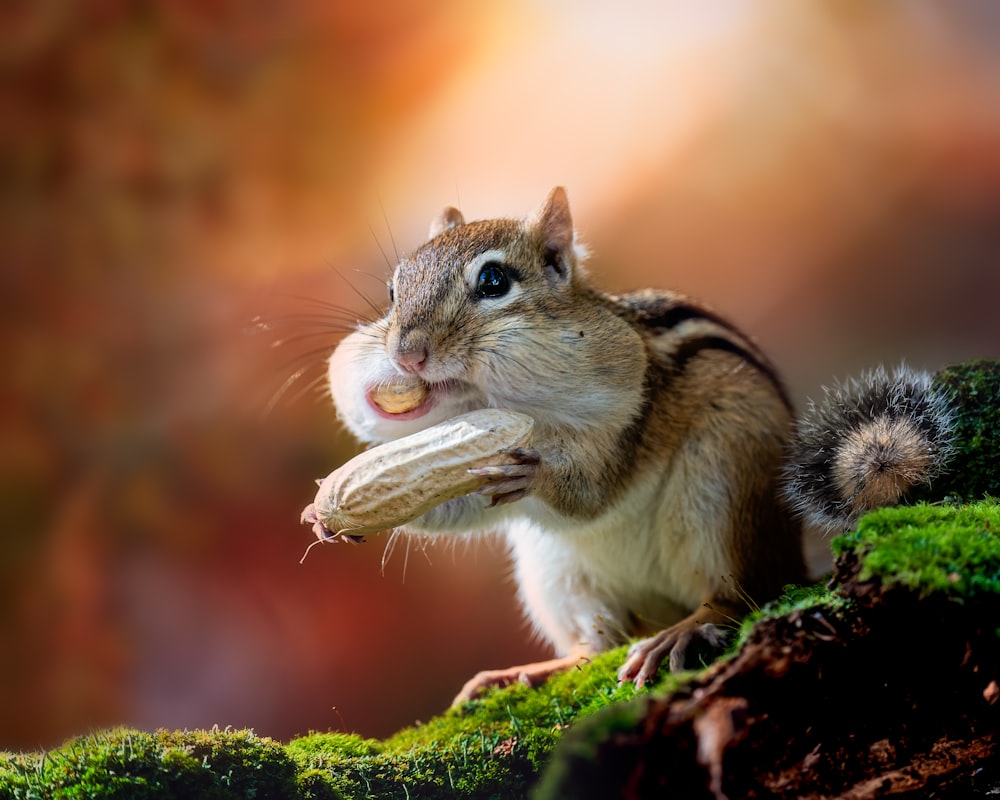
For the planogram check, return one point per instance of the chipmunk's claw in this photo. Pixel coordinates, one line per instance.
(510, 481)
(676, 645)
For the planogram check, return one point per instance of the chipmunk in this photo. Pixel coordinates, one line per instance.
(658, 494)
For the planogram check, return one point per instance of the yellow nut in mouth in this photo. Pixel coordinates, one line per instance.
(399, 397)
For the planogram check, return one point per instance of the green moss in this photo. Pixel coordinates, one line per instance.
(794, 598)
(132, 765)
(314, 784)
(974, 472)
(577, 766)
(943, 549)
(492, 748)
(345, 745)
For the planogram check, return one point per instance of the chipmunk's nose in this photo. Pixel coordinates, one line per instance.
(411, 351)
(412, 360)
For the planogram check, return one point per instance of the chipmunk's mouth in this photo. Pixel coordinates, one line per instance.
(405, 400)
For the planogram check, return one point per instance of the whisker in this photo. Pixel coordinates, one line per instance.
(388, 229)
(315, 307)
(319, 330)
(378, 244)
(424, 544)
(331, 313)
(321, 303)
(315, 324)
(314, 358)
(318, 382)
(390, 545)
(309, 354)
(280, 392)
(406, 557)
(346, 318)
(368, 300)
(365, 298)
(370, 275)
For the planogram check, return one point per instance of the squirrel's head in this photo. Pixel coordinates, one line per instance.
(475, 290)
(488, 313)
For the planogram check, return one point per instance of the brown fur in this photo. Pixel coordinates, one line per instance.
(730, 413)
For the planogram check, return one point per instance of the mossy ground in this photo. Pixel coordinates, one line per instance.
(495, 747)
(884, 679)
(492, 748)
(945, 550)
(133, 765)
(974, 471)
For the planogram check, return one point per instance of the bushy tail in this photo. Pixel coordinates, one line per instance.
(868, 443)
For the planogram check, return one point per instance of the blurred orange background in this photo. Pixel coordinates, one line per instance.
(194, 192)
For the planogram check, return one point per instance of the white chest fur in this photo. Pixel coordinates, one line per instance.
(588, 584)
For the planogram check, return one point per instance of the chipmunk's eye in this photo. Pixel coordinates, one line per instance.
(493, 281)
(392, 292)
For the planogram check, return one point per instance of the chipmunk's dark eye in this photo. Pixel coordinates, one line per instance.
(392, 292)
(493, 281)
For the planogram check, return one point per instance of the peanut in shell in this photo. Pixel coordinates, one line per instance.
(394, 483)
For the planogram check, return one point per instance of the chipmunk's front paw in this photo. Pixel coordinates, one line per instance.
(684, 645)
(509, 481)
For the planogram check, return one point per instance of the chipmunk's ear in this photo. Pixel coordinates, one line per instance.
(445, 221)
(555, 225)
